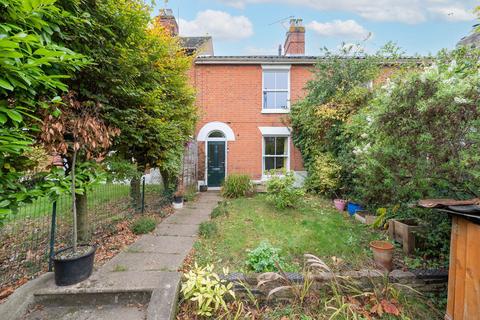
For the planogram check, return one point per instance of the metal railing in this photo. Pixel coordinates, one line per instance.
(36, 230)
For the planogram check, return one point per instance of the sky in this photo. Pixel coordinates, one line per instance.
(257, 27)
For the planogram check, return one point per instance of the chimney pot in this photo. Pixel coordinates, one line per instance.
(167, 20)
(295, 38)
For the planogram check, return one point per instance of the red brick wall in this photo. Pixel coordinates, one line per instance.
(233, 94)
(295, 43)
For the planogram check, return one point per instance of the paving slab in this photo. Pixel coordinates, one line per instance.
(184, 218)
(125, 281)
(144, 262)
(177, 230)
(162, 244)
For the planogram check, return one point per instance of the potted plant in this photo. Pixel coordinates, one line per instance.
(203, 188)
(383, 254)
(77, 131)
(340, 204)
(178, 197)
(353, 207)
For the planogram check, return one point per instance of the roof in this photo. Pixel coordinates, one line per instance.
(256, 59)
(193, 42)
(472, 40)
(275, 59)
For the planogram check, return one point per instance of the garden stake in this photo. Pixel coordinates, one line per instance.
(143, 194)
(52, 235)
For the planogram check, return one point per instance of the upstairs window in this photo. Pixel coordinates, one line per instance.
(276, 90)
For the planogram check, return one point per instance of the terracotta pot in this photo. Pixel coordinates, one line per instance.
(340, 204)
(383, 254)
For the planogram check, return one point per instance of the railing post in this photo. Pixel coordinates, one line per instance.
(143, 194)
(52, 235)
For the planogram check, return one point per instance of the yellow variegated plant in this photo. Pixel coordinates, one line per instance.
(205, 288)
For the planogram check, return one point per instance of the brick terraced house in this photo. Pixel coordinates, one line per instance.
(243, 101)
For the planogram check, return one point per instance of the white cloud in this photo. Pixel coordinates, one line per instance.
(406, 11)
(349, 29)
(219, 24)
(453, 13)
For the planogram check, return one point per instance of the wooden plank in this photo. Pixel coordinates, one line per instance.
(452, 269)
(460, 270)
(472, 278)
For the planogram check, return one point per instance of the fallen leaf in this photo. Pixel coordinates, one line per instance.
(390, 308)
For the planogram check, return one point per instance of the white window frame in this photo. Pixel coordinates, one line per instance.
(287, 165)
(276, 68)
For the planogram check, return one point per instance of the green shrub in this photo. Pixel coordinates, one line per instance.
(220, 210)
(207, 229)
(205, 288)
(263, 258)
(281, 191)
(324, 175)
(237, 185)
(144, 225)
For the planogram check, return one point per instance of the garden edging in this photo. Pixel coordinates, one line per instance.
(420, 280)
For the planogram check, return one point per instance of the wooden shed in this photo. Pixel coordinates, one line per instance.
(464, 273)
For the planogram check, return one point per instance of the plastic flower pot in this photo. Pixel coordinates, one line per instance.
(383, 254)
(353, 207)
(177, 202)
(73, 270)
(340, 204)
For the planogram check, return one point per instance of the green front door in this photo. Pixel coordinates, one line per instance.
(215, 163)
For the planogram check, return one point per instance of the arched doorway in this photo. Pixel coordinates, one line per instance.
(216, 158)
(216, 136)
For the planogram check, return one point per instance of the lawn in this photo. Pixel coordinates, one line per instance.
(315, 227)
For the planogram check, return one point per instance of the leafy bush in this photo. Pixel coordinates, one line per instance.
(237, 185)
(205, 288)
(144, 225)
(281, 191)
(419, 137)
(220, 210)
(337, 91)
(324, 175)
(207, 229)
(263, 258)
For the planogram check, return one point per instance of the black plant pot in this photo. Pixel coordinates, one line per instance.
(178, 199)
(73, 270)
(203, 188)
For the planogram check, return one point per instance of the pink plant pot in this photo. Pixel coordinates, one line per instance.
(340, 204)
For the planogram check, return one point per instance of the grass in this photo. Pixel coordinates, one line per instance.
(96, 197)
(315, 227)
(144, 225)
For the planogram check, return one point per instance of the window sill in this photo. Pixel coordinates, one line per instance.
(275, 111)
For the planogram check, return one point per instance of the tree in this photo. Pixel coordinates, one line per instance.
(33, 67)
(77, 130)
(141, 81)
(337, 91)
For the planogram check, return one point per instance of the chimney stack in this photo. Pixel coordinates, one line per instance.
(167, 20)
(295, 41)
